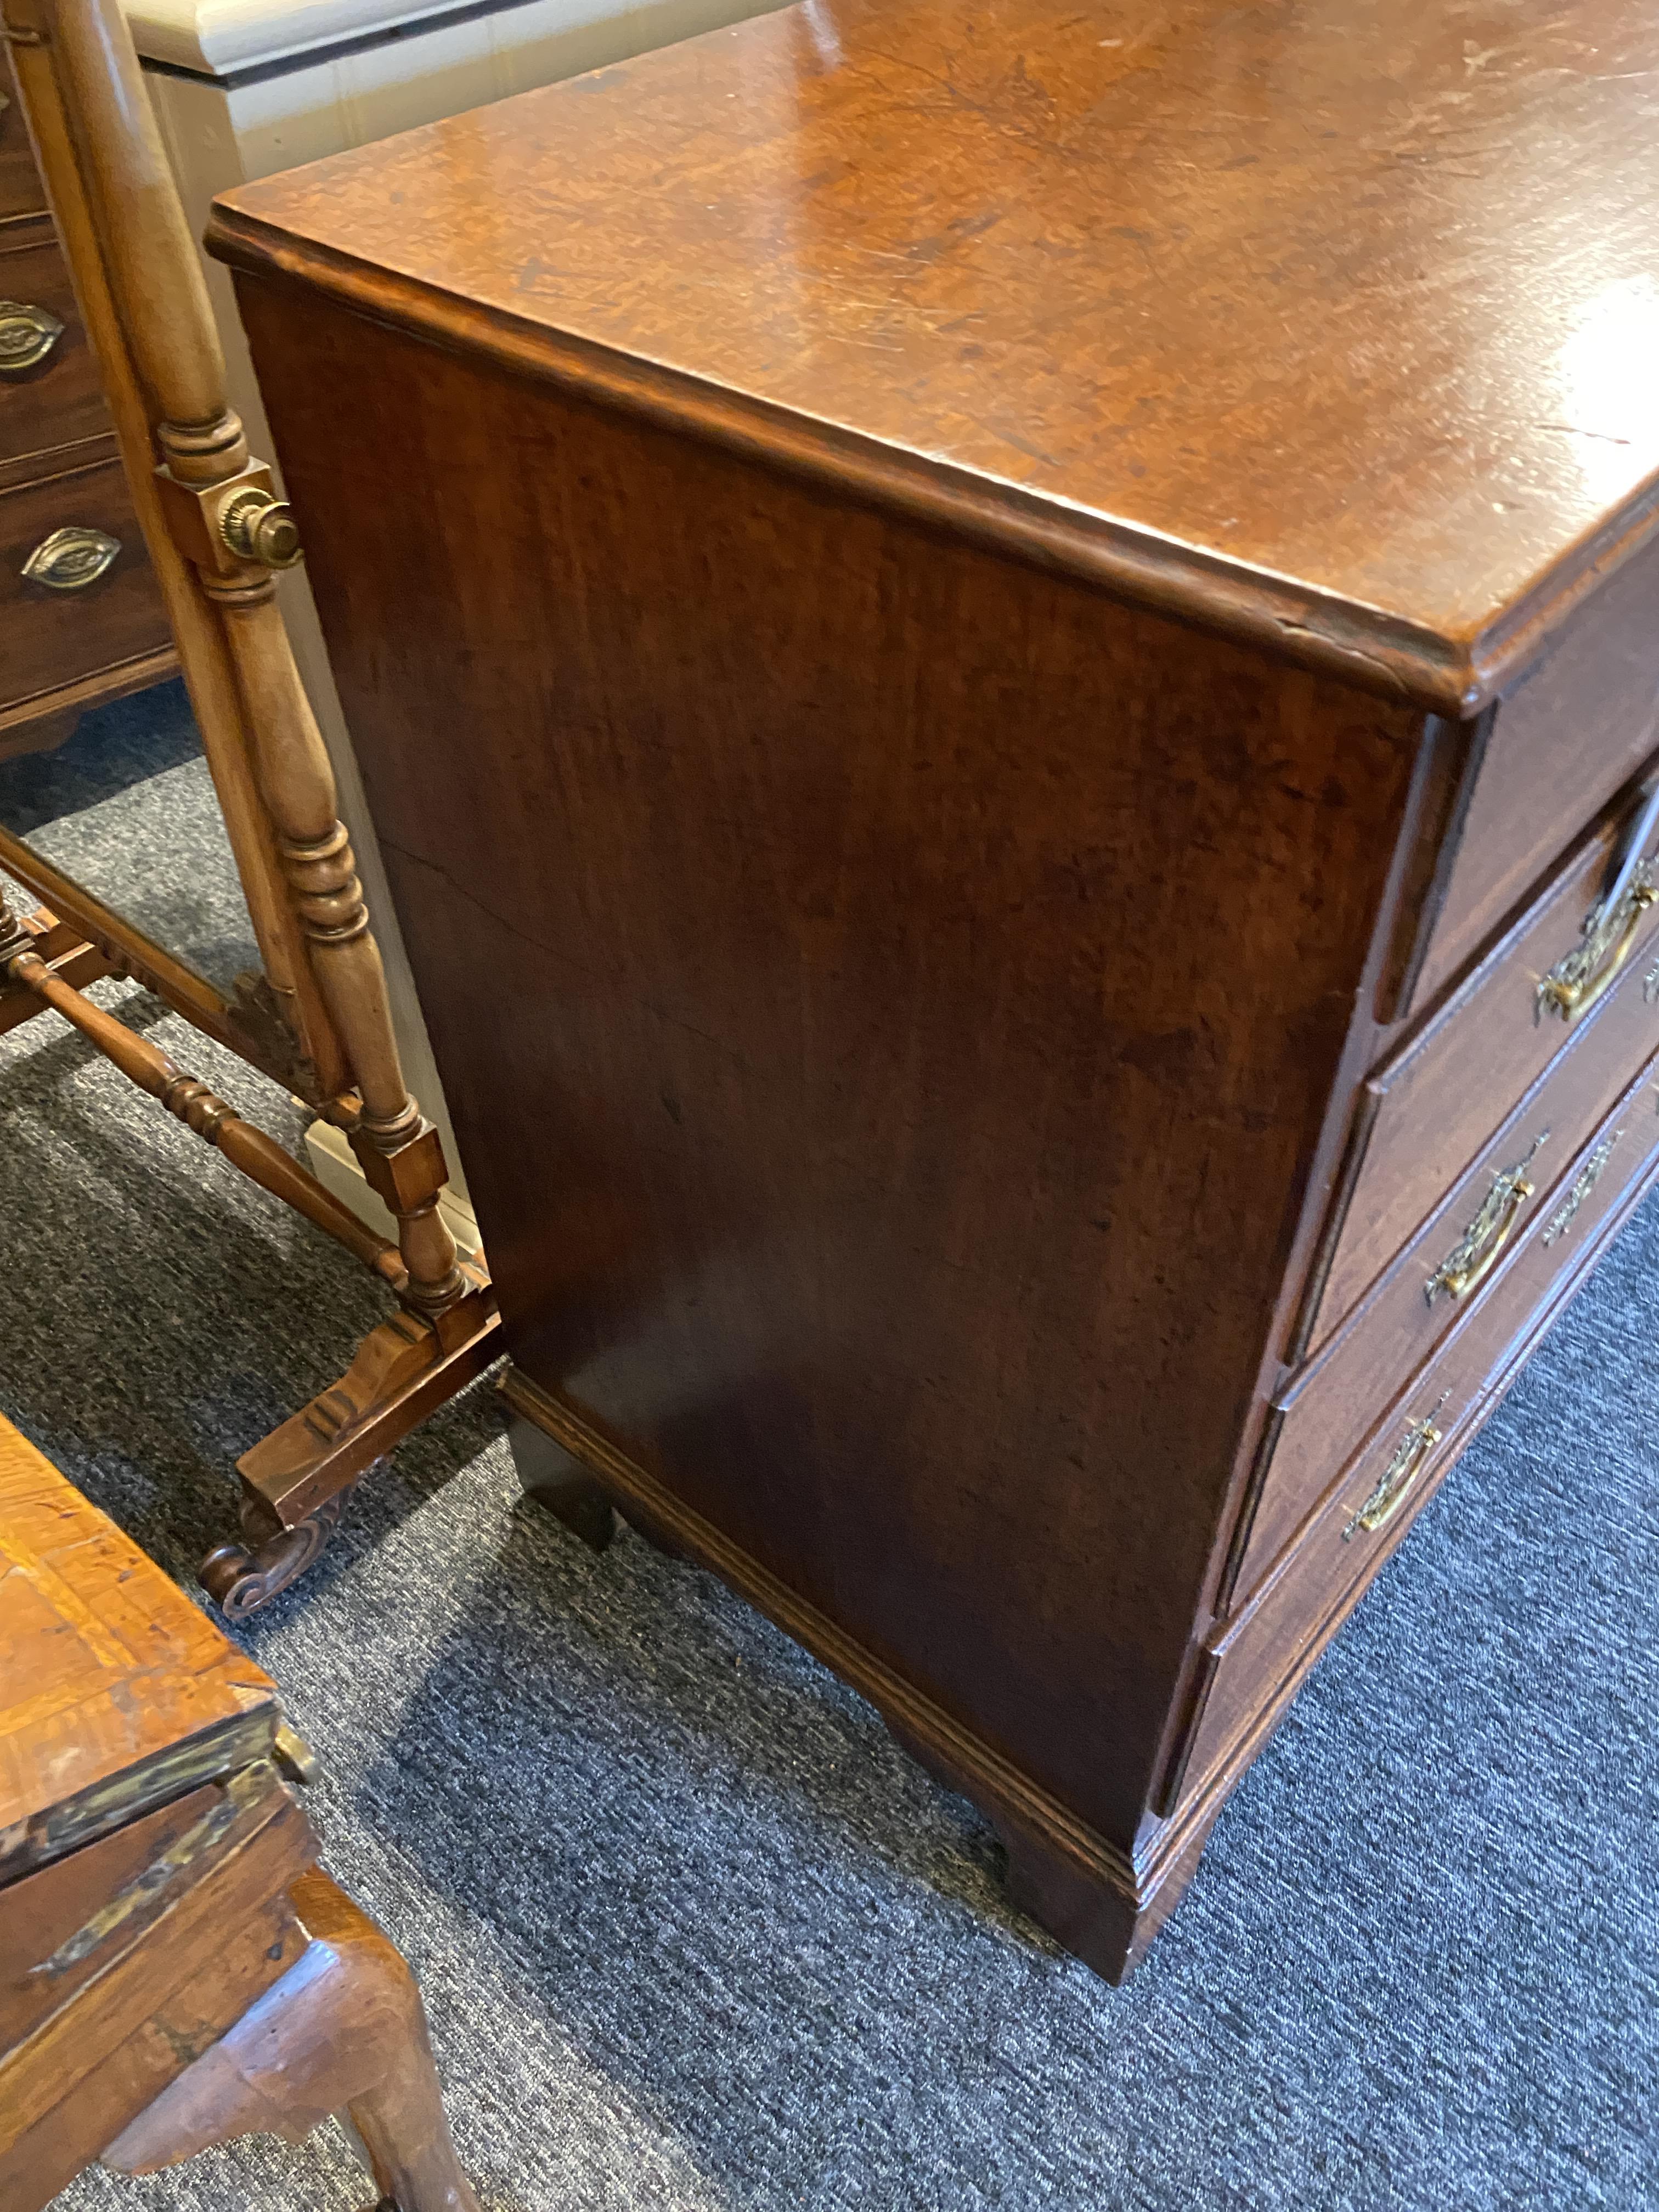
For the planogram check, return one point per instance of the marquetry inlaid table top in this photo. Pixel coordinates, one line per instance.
(116, 1693)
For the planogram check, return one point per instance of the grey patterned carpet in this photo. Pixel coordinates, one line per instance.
(694, 1933)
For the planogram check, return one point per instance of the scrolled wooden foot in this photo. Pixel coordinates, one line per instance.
(243, 1578)
(295, 1478)
(344, 2030)
(403, 1370)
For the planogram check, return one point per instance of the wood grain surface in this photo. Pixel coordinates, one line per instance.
(954, 614)
(1262, 1651)
(60, 401)
(21, 189)
(1329, 1408)
(97, 1949)
(1439, 1094)
(1566, 732)
(344, 2032)
(1267, 306)
(858, 917)
(116, 1693)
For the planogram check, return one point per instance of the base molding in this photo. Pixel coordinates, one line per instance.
(1091, 1896)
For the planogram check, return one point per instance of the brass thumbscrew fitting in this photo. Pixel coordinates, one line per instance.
(257, 527)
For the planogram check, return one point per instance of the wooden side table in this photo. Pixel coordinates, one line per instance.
(175, 1970)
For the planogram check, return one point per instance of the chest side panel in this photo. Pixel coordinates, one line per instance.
(889, 997)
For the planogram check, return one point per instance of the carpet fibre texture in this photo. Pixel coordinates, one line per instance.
(694, 1932)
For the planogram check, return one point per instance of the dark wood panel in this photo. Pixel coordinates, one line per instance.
(887, 226)
(1567, 734)
(1327, 1409)
(50, 639)
(61, 400)
(1262, 1652)
(20, 192)
(920, 734)
(866, 915)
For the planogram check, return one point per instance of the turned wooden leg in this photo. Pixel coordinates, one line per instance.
(343, 2031)
(561, 1484)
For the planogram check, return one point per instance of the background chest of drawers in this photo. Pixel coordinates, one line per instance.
(1010, 715)
(81, 616)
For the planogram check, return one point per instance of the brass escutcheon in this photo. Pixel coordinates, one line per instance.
(71, 558)
(27, 335)
(1472, 1259)
(1582, 1184)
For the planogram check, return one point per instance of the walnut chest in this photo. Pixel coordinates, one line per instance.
(1005, 659)
(81, 619)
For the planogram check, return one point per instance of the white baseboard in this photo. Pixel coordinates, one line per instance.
(334, 1165)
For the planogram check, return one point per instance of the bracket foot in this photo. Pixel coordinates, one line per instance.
(561, 1484)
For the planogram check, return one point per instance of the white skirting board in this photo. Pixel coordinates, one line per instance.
(243, 87)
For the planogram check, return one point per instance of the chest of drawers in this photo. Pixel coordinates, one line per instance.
(1006, 660)
(80, 614)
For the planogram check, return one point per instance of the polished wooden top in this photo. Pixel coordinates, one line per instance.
(1335, 321)
(116, 1693)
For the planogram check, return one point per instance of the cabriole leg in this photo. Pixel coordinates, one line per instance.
(343, 2031)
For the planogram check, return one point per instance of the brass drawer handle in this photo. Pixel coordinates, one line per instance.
(27, 335)
(1582, 1184)
(71, 559)
(1473, 1256)
(294, 1756)
(1399, 1477)
(1582, 976)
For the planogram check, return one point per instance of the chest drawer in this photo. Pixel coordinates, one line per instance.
(20, 192)
(1520, 1179)
(1437, 1101)
(1260, 1652)
(1563, 739)
(49, 393)
(97, 602)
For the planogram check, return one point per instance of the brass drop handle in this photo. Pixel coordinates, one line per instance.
(27, 335)
(1398, 1479)
(1474, 1255)
(294, 1756)
(255, 526)
(1581, 977)
(71, 559)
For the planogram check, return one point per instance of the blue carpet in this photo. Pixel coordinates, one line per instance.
(694, 1932)
(111, 750)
